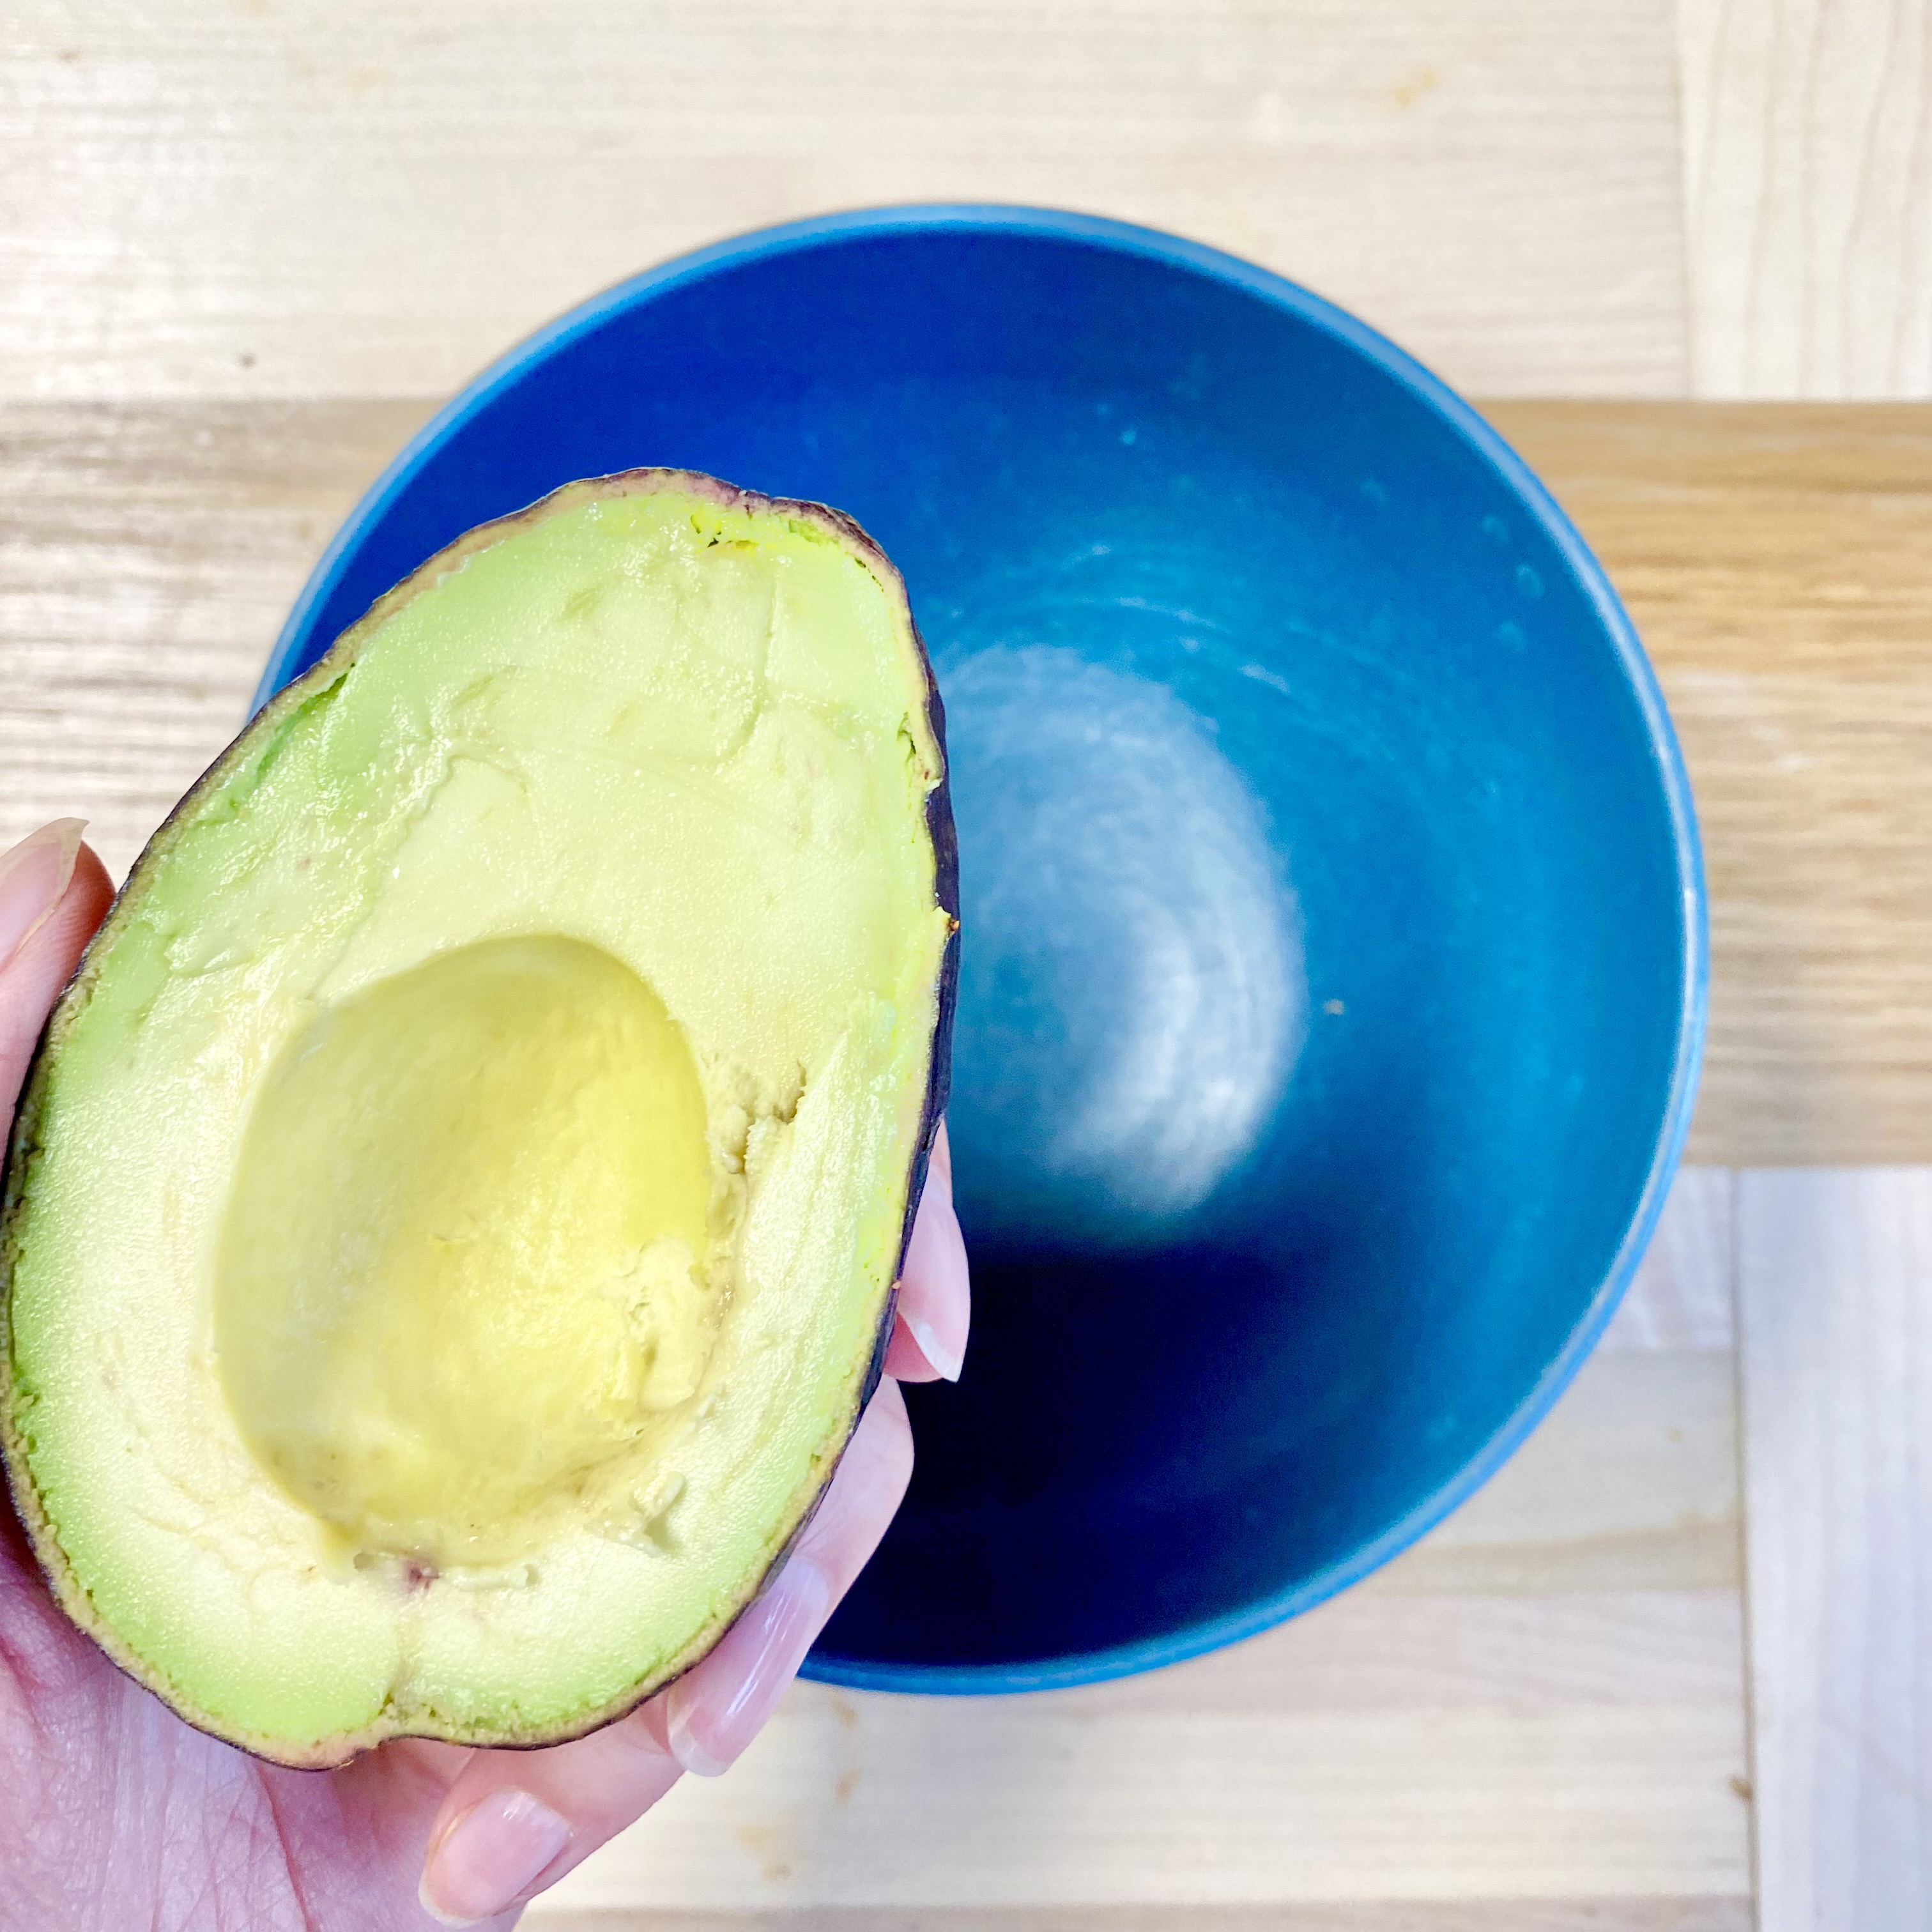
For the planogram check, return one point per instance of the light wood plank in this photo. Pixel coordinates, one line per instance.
(148, 556)
(1835, 1278)
(1778, 562)
(1683, 1296)
(248, 200)
(1378, 1649)
(1603, 1914)
(1630, 1484)
(1807, 140)
(883, 1801)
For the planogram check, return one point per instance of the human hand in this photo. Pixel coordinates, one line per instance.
(113, 1812)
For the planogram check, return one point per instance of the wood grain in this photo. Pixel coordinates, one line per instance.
(1607, 1914)
(1778, 562)
(1683, 1300)
(248, 199)
(845, 1801)
(1807, 171)
(147, 555)
(1835, 1281)
(239, 242)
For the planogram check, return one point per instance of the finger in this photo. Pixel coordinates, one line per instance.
(928, 1341)
(515, 1821)
(53, 893)
(714, 1712)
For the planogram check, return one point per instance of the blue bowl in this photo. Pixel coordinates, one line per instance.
(1334, 957)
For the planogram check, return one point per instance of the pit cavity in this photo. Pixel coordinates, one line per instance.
(462, 1279)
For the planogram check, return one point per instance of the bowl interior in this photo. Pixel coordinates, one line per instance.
(1327, 984)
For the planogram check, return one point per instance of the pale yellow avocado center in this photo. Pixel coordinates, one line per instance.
(463, 1273)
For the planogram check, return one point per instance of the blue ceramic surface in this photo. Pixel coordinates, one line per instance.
(1334, 957)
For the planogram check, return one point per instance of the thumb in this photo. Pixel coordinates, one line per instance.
(53, 893)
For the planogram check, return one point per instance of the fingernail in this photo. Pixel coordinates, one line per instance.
(945, 1361)
(33, 876)
(759, 1657)
(489, 1857)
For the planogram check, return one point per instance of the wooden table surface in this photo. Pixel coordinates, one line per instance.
(1670, 1669)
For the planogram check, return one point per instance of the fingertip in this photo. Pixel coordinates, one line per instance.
(935, 1301)
(940, 1360)
(488, 1857)
(54, 892)
(714, 1712)
(48, 881)
(514, 1823)
(89, 893)
(905, 1361)
(90, 889)
(872, 1481)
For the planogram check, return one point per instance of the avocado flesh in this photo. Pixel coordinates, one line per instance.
(454, 1212)
(527, 1217)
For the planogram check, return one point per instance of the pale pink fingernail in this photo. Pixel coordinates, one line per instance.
(33, 876)
(493, 1854)
(945, 1361)
(758, 1657)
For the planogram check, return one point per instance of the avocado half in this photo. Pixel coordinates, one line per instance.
(451, 1226)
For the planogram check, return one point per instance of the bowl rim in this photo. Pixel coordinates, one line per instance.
(1431, 393)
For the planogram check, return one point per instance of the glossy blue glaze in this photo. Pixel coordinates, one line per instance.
(1334, 962)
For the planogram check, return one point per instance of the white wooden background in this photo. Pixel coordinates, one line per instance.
(1669, 1670)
